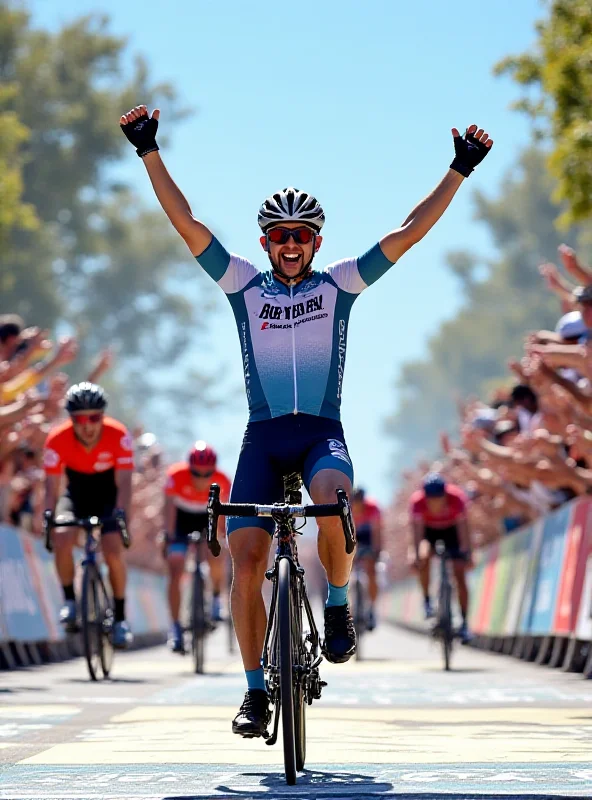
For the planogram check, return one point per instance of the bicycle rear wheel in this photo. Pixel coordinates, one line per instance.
(198, 621)
(360, 614)
(284, 622)
(298, 660)
(300, 727)
(445, 623)
(90, 612)
(106, 626)
(230, 623)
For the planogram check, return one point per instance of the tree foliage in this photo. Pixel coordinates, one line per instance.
(558, 75)
(468, 354)
(80, 250)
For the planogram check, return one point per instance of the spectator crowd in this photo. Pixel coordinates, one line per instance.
(520, 454)
(32, 389)
(527, 449)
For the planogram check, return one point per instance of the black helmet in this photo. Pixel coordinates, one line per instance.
(85, 396)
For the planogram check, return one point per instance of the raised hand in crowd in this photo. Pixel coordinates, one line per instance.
(560, 286)
(103, 363)
(572, 265)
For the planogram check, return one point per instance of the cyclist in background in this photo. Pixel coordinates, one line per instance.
(367, 519)
(438, 512)
(96, 454)
(186, 500)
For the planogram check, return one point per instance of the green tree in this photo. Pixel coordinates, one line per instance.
(468, 354)
(14, 213)
(99, 262)
(558, 75)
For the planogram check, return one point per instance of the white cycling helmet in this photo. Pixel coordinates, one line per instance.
(291, 205)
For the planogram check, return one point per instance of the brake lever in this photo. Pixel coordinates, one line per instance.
(347, 521)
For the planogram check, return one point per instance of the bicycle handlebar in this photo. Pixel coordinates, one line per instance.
(217, 509)
(88, 523)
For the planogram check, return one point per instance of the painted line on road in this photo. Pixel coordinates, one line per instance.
(319, 781)
(202, 735)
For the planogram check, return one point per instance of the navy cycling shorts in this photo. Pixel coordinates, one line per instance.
(276, 447)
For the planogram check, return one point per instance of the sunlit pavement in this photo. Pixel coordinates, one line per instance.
(393, 724)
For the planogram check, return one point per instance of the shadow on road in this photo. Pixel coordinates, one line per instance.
(17, 689)
(311, 784)
(456, 670)
(109, 681)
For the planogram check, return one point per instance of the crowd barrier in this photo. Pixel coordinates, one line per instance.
(30, 600)
(531, 592)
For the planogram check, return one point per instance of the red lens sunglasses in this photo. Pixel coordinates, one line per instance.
(282, 235)
(82, 419)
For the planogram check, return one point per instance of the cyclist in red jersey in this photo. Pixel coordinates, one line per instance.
(438, 512)
(96, 454)
(367, 519)
(186, 499)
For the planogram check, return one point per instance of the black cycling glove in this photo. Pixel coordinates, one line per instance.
(142, 134)
(469, 152)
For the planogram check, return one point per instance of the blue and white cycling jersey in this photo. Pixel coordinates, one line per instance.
(293, 338)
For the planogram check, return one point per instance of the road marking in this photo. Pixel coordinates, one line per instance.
(35, 711)
(343, 780)
(201, 735)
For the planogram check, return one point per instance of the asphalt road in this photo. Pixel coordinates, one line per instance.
(393, 724)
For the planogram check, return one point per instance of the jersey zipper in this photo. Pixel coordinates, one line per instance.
(294, 354)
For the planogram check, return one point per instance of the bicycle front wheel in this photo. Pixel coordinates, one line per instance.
(90, 612)
(198, 621)
(284, 622)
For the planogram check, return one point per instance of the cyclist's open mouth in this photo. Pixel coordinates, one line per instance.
(291, 259)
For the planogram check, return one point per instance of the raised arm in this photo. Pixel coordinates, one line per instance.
(140, 130)
(470, 150)
(573, 266)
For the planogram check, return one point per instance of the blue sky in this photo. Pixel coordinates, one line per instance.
(353, 102)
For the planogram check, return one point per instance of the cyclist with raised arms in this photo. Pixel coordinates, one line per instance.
(292, 324)
(96, 454)
(438, 511)
(367, 519)
(186, 511)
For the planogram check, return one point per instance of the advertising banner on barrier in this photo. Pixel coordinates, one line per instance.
(487, 589)
(582, 590)
(506, 567)
(21, 608)
(44, 577)
(577, 549)
(548, 575)
(532, 566)
(523, 544)
(584, 624)
(475, 584)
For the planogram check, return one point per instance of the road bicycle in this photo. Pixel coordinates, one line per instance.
(292, 648)
(199, 617)
(96, 607)
(443, 628)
